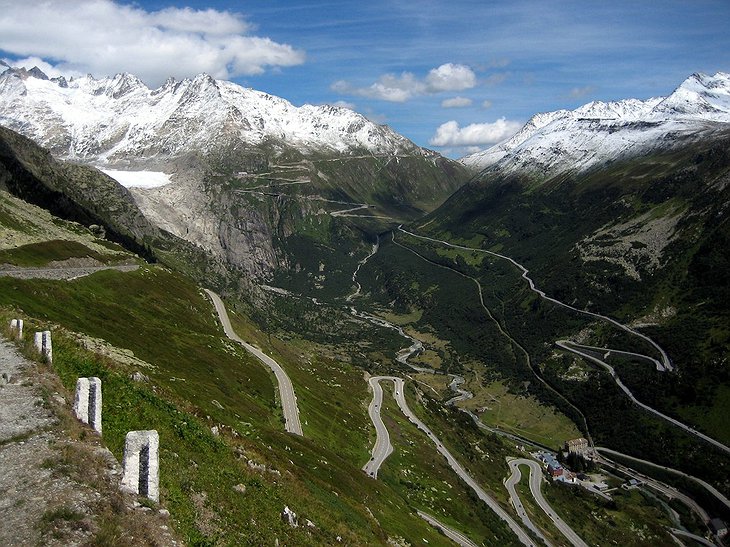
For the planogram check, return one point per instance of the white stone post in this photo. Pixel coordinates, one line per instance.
(43, 345)
(17, 325)
(87, 403)
(47, 346)
(38, 342)
(141, 464)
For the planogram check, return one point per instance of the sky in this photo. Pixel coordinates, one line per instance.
(456, 76)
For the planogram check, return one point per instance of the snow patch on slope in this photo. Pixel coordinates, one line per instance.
(139, 179)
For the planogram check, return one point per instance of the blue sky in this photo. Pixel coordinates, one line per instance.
(451, 75)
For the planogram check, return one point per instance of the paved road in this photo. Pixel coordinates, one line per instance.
(504, 332)
(665, 360)
(711, 489)
(286, 389)
(456, 466)
(382, 448)
(454, 535)
(664, 489)
(606, 352)
(510, 484)
(698, 539)
(536, 479)
(574, 348)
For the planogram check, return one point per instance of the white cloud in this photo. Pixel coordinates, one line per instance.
(476, 134)
(496, 78)
(486, 104)
(580, 92)
(103, 37)
(389, 87)
(47, 68)
(400, 88)
(344, 104)
(456, 102)
(451, 77)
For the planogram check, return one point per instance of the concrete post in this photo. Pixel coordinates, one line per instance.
(87, 403)
(38, 342)
(141, 464)
(43, 345)
(47, 346)
(17, 325)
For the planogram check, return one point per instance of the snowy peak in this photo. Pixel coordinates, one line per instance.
(700, 96)
(554, 142)
(109, 119)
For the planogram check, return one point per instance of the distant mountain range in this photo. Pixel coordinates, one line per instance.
(111, 119)
(575, 140)
(247, 173)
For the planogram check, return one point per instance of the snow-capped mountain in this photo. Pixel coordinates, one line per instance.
(554, 142)
(104, 120)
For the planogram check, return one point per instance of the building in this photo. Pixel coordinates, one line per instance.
(577, 446)
(632, 483)
(718, 527)
(555, 470)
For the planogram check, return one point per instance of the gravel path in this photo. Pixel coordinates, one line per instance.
(62, 273)
(55, 490)
(28, 488)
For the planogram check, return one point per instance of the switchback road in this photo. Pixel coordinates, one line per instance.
(535, 484)
(575, 348)
(666, 363)
(382, 448)
(514, 497)
(286, 389)
(453, 463)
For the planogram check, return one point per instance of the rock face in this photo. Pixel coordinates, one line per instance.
(290, 517)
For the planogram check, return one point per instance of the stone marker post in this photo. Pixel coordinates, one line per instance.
(17, 325)
(43, 345)
(38, 342)
(87, 403)
(47, 346)
(141, 464)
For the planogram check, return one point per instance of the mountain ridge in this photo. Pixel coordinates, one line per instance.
(576, 140)
(109, 118)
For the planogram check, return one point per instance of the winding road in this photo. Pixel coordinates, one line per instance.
(453, 463)
(536, 479)
(711, 489)
(664, 365)
(514, 497)
(286, 389)
(503, 331)
(666, 362)
(454, 535)
(573, 347)
(382, 447)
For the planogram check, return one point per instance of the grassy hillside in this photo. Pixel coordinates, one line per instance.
(229, 487)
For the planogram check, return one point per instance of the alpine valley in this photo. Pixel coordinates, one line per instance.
(441, 322)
